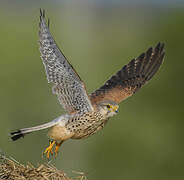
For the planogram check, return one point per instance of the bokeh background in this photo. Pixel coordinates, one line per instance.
(145, 140)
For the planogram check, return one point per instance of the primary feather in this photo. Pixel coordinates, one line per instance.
(131, 77)
(68, 86)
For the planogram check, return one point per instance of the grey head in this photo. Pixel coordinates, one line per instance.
(108, 108)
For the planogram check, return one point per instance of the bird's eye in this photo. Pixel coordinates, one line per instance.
(108, 106)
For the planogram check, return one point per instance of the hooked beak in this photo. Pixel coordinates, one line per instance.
(116, 109)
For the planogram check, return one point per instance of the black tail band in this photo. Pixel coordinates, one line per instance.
(16, 135)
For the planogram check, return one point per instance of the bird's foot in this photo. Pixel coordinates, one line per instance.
(57, 148)
(48, 150)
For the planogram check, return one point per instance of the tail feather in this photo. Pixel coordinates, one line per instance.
(16, 135)
(22, 132)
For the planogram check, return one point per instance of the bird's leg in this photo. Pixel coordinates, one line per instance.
(48, 150)
(57, 147)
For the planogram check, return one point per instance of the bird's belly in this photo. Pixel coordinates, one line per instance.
(59, 133)
(89, 131)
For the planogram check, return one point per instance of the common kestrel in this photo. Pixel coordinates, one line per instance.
(87, 114)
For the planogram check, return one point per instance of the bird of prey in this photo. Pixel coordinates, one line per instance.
(86, 114)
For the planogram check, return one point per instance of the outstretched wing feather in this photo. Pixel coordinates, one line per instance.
(68, 86)
(131, 77)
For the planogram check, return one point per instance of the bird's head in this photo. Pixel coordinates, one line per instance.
(108, 108)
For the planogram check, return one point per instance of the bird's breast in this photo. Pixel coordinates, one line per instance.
(87, 125)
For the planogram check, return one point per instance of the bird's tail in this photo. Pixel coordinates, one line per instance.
(22, 132)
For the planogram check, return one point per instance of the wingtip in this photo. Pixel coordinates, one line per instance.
(42, 17)
(162, 56)
(42, 12)
(160, 46)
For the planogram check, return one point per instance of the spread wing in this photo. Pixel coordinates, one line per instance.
(67, 84)
(131, 77)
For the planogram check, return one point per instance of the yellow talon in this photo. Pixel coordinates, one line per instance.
(48, 150)
(57, 148)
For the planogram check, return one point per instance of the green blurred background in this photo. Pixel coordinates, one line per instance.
(145, 140)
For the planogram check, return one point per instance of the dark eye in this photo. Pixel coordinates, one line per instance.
(108, 106)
